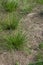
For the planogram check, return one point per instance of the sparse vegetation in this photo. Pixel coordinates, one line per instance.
(26, 6)
(39, 56)
(37, 63)
(41, 45)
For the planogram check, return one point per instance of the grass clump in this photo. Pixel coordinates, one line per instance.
(17, 63)
(39, 56)
(37, 63)
(10, 5)
(39, 1)
(15, 41)
(26, 10)
(10, 24)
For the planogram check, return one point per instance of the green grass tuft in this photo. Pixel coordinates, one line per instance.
(10, 24)
(15, 41)
(17, 63)
(10, 5)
